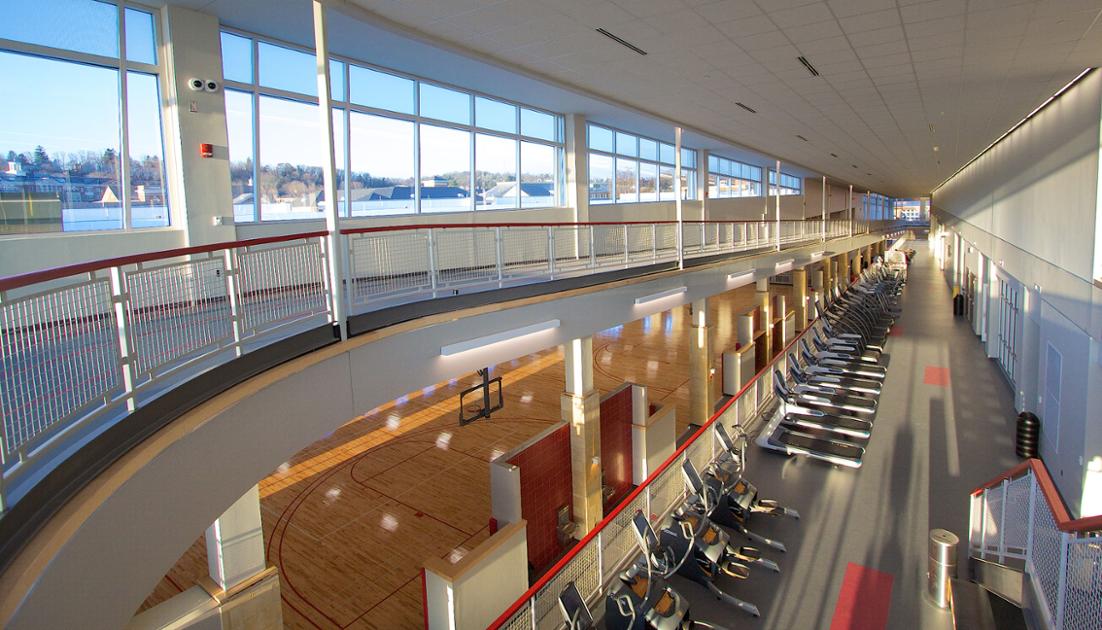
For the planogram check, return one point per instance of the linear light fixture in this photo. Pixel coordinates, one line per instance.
(622, 42)
(746, 107)
(817, 255)
(1077, 79)
(453, 349)
(807, 64)
(801, 137)
(741, 278)
(661, 294)
(784, 265)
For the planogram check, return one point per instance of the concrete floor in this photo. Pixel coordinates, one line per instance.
(931, 445)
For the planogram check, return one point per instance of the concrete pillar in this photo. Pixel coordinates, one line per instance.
(856, 270)
(828, 274)
(235, 543)
(577, 167)
(766, 305)
(799, 297)
(701, 387)
(581, 409)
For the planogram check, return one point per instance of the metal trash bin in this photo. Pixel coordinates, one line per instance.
(943, 565)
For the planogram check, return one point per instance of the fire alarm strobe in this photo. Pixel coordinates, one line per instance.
(206, 150)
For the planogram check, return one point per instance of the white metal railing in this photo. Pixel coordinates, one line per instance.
(594, 562)
(1020, 515)
(83, 345)
(389, 266)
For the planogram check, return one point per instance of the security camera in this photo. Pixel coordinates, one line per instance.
(196, 85)
(211, 85)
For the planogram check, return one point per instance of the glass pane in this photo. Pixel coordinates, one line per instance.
(338, 159)
(600, 139)
(237, 58)
(491, 114)
(713, 164)
(648, 181)
(60, 154)
(148, 195)
(84, 26)
(285, 69)
(336, 80)
(495, 172)
(382, 165)
(688, 183)
(626, 186)
(537, 175)
(239, 125)
(600, 178)
(666, 153)
(688, 157)
(290, 160)
(444, 104)
(665, 184)
(141, 45)
(381, 90)
(538, 125)
(627, 144)
(445, 169)
(648, 149)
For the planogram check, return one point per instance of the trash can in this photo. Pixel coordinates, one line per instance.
(943, 565)
(1029, 429)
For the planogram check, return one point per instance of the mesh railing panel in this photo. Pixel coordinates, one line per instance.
(1016, 523)
(641, 242)
(1045, 553)
(976, 522)
(465, 256)
(524, 251)
(666, 241)
(67, 335)
(177, 312)
(1083, 594)
(992, 515)
(608, 242)
(387, 264)
(571, 247)
(667, 490)
(521, 619)
(583, 570)
(618, 540)
(280, 285)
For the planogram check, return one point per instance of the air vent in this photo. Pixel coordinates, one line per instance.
(746, 107)
(622, 42)
(801, 137)
(807, 64)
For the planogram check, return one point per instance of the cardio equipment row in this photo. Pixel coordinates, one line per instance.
(826, 403)
(695, 544)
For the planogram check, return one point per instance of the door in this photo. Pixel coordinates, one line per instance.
(1050, 416)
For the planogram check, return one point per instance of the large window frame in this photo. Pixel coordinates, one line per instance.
(644, 157)
(728, 179)
(123, 66)
(341, 68)
(790, 184)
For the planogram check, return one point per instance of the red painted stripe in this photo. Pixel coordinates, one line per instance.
(864, 600)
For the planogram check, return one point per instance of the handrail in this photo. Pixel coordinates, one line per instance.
(7, 283)
(436, 226)
(1055, 502)
(580, 545)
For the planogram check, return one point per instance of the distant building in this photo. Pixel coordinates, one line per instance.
(527, 189)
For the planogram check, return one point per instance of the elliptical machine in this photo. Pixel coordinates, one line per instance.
(644, 600)
(728, 471)
(729, 509)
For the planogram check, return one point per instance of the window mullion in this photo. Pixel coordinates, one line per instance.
(124, 147)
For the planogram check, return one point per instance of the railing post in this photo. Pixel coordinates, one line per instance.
(551, 249)
(653, 242)
(432, 261)
(592, 247)
(532, 611)
(232, 291)
(1002, 523)
(120, 299)
(1029, 529)
(499, 258)
(627, 249)
(600, 559)
(1062, 583)
(983, 525)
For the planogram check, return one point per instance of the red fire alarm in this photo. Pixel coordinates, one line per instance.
(206, 150)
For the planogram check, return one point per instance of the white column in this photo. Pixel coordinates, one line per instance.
(335, 243)
(701, 392)
(578, 360)
(577, 167)
(678, 194)
(778, 199)
(580, 406)
(235, 542)
(824, 215)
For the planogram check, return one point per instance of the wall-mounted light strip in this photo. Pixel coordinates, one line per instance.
(1021, 122)
(498, 337)
(784, 265)
(742, 278)
(661, 294)
(816, 256)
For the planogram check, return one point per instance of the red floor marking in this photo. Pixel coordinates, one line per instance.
(864, 600)
(938, 376)
(896, 330)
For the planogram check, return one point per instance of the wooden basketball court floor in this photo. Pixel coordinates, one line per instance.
(350, 519)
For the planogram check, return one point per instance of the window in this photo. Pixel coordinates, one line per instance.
(65, 162)
(644, 168)
(790, 184)
(407, 146)
(728, 178)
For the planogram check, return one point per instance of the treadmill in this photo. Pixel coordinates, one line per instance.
(795, 441)
(818, 374)
(829, 401)
(842, 362)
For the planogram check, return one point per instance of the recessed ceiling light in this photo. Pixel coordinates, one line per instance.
(936, 148)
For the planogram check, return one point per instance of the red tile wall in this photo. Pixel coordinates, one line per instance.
(616, 411)
(545, 486)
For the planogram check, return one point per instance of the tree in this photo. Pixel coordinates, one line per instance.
(41, 158)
